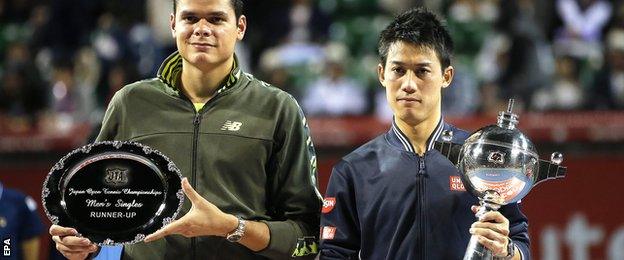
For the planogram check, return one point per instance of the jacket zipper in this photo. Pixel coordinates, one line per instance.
(196, 124)
(421, 195)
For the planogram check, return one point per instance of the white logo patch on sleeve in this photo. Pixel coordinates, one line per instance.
(31, 204)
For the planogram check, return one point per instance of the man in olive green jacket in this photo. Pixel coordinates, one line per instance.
(243, 146)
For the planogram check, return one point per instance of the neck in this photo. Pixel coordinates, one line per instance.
(418, 134)
(200, 85)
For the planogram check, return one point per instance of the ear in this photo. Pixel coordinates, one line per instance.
(172, 23)
(448, 74)
(380, 74)
(242, 27)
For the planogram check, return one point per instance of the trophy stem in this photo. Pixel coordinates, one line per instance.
(475, 250)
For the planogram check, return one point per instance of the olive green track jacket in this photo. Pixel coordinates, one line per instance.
(248, 151)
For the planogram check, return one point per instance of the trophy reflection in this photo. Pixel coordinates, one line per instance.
(499, 165)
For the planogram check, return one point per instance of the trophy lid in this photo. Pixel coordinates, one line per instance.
(507, 119)
(504, 133)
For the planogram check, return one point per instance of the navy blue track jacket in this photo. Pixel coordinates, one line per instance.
(386, 202)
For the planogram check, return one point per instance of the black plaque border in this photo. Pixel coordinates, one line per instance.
(51, 194)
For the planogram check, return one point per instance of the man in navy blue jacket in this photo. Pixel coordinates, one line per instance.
(396, 197)
(20, 225)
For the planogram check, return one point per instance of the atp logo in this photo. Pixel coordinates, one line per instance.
(231, 126)
(496, 157)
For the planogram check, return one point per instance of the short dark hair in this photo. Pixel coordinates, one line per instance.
(421, 27)
(236, 4)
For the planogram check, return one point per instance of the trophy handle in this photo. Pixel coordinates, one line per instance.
(550, 170)
(449, 150)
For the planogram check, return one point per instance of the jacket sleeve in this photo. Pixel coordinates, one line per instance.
(111, 124)
(340, 230)
(293, 199)
(518, 229)
(31, 224)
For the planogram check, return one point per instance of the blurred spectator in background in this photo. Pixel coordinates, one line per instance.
(108, 40)
(608, 86)
(19, 222)
(15, 104)
(566, 93)
(120, 75)
(297, 33)
(580, 35)
(39, 24)
(293, 28)
(22, 95)
(334, 93)
(462, 96)
(155, 10)
(525, 62)
(71, 101)
(71, 24)
(87, 72)
(471, 23)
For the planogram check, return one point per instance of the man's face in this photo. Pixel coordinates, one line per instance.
(413, 79)
(206, 31)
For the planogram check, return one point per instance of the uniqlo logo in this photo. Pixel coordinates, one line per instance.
(456, 184)
(328, 205)
(328, 232)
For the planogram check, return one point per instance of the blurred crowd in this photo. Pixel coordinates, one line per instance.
(61, 60)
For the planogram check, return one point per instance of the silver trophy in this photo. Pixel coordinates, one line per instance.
(499, 165)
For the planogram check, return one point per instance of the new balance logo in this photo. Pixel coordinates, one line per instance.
(231, 125)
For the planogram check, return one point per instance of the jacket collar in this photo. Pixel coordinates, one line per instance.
(171, 68)
(399, 139)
